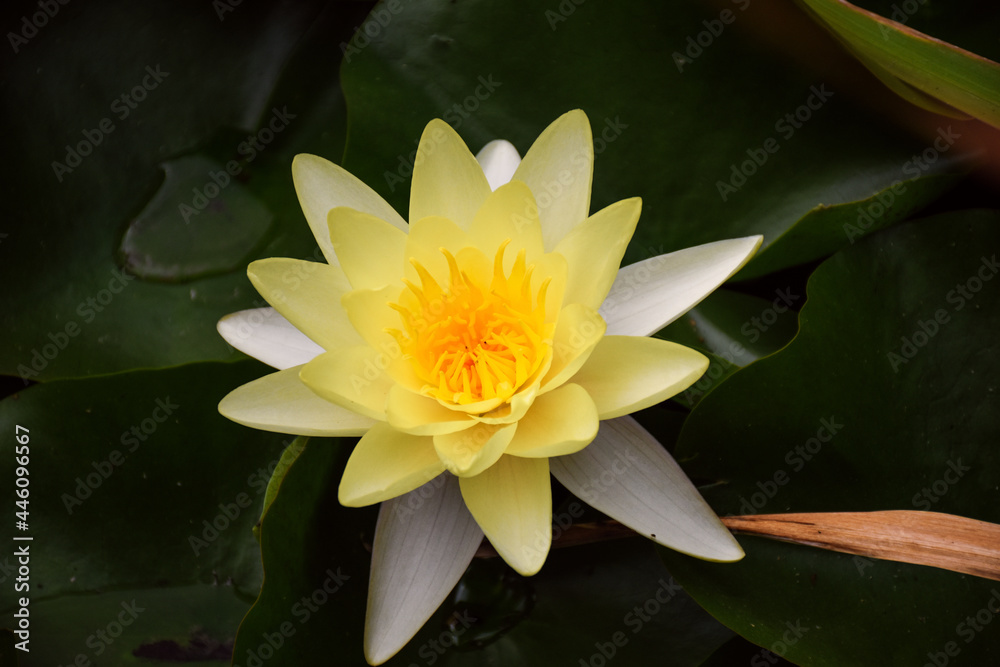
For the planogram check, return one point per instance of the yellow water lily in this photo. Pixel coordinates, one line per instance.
(491, 341)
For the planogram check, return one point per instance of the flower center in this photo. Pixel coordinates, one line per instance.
(472, 343)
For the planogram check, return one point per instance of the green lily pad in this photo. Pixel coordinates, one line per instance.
(738, 651)
(288, 457)
(734, 329)
(740, 328)
(131, 628)
(315, 568)
(886, 399)
(720, 139)
(201, 222)
(136, 481)
(223, 92)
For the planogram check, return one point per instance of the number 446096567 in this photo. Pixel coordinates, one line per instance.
(21, 473)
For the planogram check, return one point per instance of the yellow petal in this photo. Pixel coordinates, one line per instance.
(509, 213)
(308, 295)
(594, 251)
(629, 373)
(512, 503)
(516, 407)
(412, 413)
(447, 180)
(560, 422)
(470, 452)
(321, 185)
(551, 266)
(354, 378)
(280, 402)
(558, 168)
(578, 331)
(424, 243)
(385, 464)
(370, 250)
(369, 313)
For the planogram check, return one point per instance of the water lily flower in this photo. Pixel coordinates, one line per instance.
(487, 344)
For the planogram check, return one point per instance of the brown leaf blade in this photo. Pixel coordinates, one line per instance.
(924, 538)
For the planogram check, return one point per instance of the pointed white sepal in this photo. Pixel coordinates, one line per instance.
(649, 295)
(629, 476)
(424, 541)
(265, 335)
(499, 160)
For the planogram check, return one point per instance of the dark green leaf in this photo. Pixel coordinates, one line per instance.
(256, 85)
(139, 481)
(887, 399)
(719, 140)
(288, 457)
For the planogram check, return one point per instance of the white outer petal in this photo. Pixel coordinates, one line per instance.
(629, 476)
(499, 160)
(424, 541)
(267, 336)
(649, 295)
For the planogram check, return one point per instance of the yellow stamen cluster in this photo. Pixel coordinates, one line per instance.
(470, 343)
